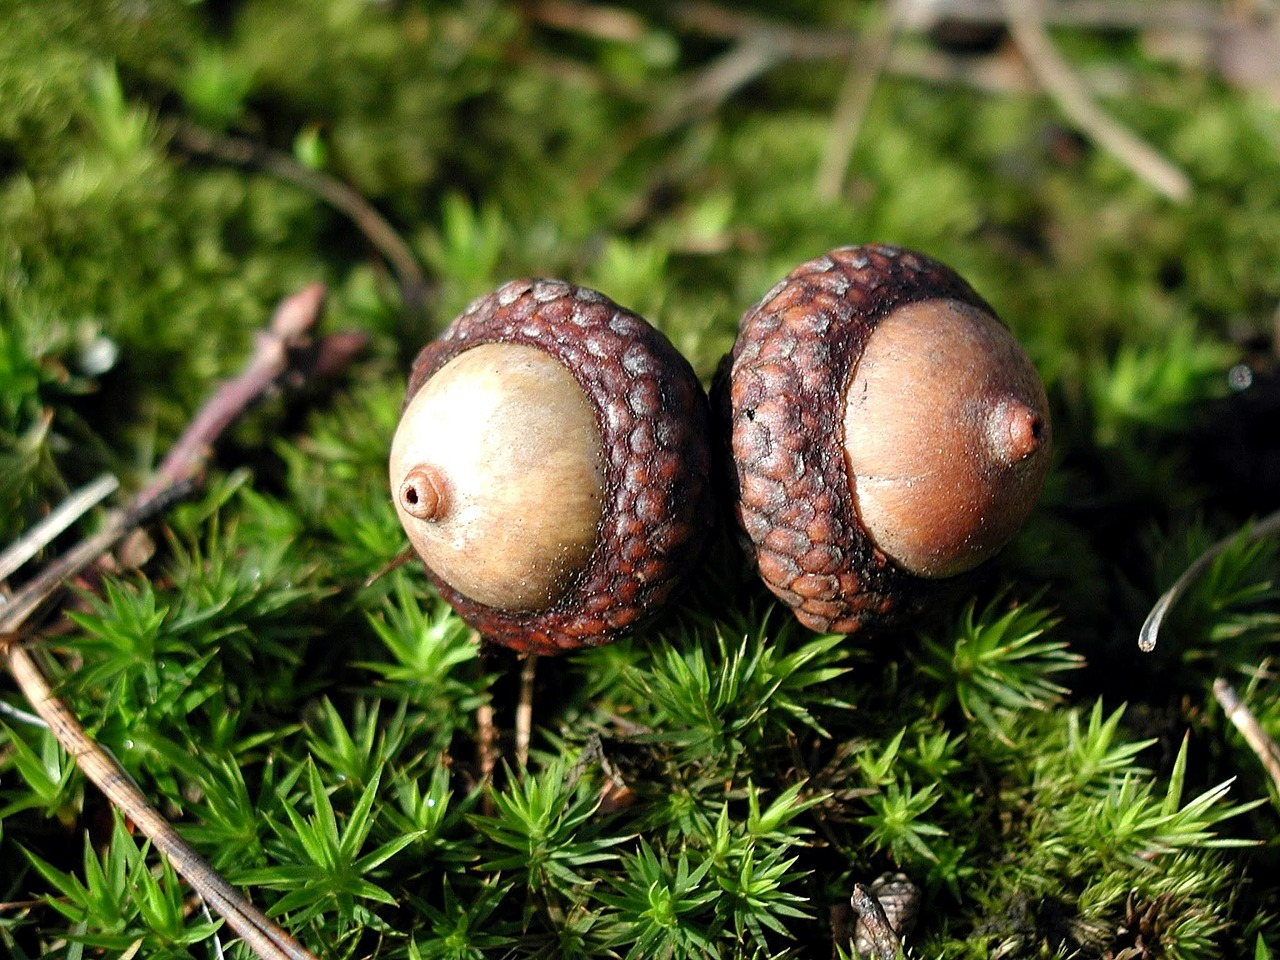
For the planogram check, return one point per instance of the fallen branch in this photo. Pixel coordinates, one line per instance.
(284, 350)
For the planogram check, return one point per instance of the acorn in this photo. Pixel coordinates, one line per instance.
(886, 430)
(551, 466)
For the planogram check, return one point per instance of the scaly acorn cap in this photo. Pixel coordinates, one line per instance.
(885, 429)
(552, 466)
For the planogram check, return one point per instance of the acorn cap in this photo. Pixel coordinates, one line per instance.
(551, 466)
(850, 499)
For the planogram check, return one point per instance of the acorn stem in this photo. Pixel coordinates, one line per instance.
(524, 713)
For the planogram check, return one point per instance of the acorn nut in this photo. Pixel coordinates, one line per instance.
(551, 466)
(886, 429)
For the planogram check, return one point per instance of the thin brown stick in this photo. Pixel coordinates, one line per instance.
(264, 937)
(271, 359)
(524, 711)
(486, 754)
(1055, 75)
(276, 354)
(800, 43)
(1000, 76)
(1085, 14)
(375, 227)
(395, 563)
(601, 22)
(715, 83)
(45, 586)
(826, 42)
(861, 79)
(486, 741)
(760, 44)
(1260, 742)
(285, 338)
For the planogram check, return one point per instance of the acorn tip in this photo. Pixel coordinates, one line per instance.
(422, 493)
(1017, 431)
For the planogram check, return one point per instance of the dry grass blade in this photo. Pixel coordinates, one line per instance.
(1150, 631)
(43, 587)
(64, 515)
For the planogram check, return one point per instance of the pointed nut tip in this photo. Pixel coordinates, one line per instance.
(422, 493)
(1018, 431)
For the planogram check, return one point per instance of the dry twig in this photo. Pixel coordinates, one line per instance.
(713, 20)
(1259, 741)
(993, 74)
(614, 24)
(264, 937)
(282, 350)
(1068, 92)
(524, 711)
(486, 739)
(64, 515)
(375, 227)
(486, 751)
(710, 87)
(860, 82)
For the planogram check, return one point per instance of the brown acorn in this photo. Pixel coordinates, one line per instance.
(886, 429)
(551, 466)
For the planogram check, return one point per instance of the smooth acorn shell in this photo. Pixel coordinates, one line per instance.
(945, 436)
(498, 426)
(651, 482)
(855, 488)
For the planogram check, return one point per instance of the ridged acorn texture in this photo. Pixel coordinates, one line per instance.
(884, 429)
(552, 466)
